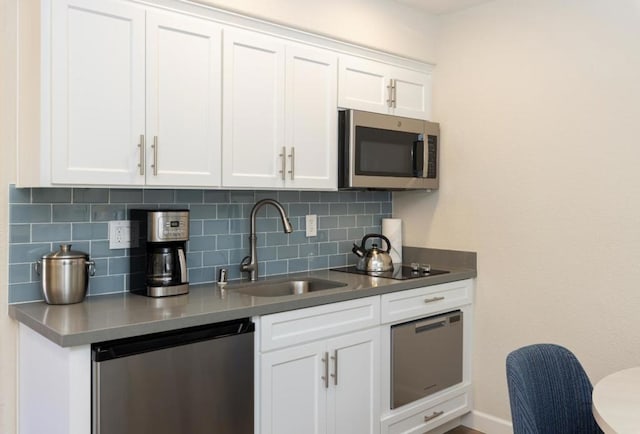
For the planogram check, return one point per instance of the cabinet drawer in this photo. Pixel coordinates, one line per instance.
(403, 305)
(304, 325)
(422, 421)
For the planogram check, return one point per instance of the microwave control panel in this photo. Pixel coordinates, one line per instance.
(432, 160)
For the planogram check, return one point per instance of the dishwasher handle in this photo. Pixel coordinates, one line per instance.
(436, 322)
(109, 350)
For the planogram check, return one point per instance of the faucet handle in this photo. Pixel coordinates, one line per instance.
(245, 261)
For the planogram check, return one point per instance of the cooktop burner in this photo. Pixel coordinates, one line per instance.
(399, 273)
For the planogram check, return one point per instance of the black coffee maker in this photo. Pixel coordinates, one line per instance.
(159, 265)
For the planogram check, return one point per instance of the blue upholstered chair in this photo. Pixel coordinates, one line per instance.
(549, 392)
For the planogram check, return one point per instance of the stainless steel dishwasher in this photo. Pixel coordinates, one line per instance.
(426, 356)
(195, 380)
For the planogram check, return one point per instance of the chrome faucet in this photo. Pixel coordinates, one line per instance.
(250, 263)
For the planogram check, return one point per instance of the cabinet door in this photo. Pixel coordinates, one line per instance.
(381, 88)
(97, 92)
(253, 107)
(412, 94)
(353, 403)
(183, 101)
(363, 85)
(311, 119)
(292, 390)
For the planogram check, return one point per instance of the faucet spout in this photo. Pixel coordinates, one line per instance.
(250, 263)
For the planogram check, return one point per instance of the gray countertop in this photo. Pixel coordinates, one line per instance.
(121, 315)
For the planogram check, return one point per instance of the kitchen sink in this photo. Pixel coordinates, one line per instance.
(279, 288)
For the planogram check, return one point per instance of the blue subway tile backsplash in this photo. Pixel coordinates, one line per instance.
(43, 218)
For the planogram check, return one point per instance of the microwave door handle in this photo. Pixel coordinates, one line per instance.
(417, 157)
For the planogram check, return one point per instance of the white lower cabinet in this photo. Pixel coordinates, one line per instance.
(353, 399)
(329, 385)
(319, 370)
(419, 420)
(431, 411)
(322, 387)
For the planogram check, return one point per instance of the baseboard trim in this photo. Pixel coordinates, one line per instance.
(487, 423)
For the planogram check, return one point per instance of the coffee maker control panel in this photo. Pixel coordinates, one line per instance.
(168, 226)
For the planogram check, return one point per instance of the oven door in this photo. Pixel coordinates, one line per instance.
(426, 357)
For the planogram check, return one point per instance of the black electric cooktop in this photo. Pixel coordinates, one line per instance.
(399, 273)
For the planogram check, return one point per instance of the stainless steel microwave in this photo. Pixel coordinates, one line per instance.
(386, 152)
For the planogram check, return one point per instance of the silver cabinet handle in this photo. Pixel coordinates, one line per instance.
(141, 162)
(325, 377)
(433, 416)
(292, 155)
(283, 156)
(390, 93)
(394, 89)
(155, 155)
(431, 300)
(335, 367)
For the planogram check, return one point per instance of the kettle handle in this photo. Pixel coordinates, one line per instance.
(382, 237)
(358, 251)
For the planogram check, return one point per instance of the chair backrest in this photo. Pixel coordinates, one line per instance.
(549, 392)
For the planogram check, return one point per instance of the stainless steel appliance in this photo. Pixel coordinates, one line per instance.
(159, 267)
(404, 272)
(373, 260)
(386, 152)
(426, 357)
(65, 275)
(198, 380)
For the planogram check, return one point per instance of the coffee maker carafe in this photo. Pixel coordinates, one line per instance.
(161, 262)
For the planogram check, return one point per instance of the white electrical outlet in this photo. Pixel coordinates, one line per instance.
(123, 234)
(312, 225)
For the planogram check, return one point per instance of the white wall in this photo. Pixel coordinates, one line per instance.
(539, 102)
(381, 24)
(8, 84)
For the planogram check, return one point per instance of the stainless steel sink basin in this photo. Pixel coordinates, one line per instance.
(279, 288)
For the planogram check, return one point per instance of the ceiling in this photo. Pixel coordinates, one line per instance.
(440, 7)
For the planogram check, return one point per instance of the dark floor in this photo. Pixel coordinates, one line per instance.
(463, 430)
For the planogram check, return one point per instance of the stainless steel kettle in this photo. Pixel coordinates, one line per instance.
(373, 260)
(65, 275)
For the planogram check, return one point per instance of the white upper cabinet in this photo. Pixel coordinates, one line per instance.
(97, 92)
(183, 101)
(253, 106)
(101, 94)
(279, 100)
(382, 88)
(169, 94)
(311, 119)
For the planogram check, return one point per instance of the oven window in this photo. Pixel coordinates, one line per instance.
(387, 153)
